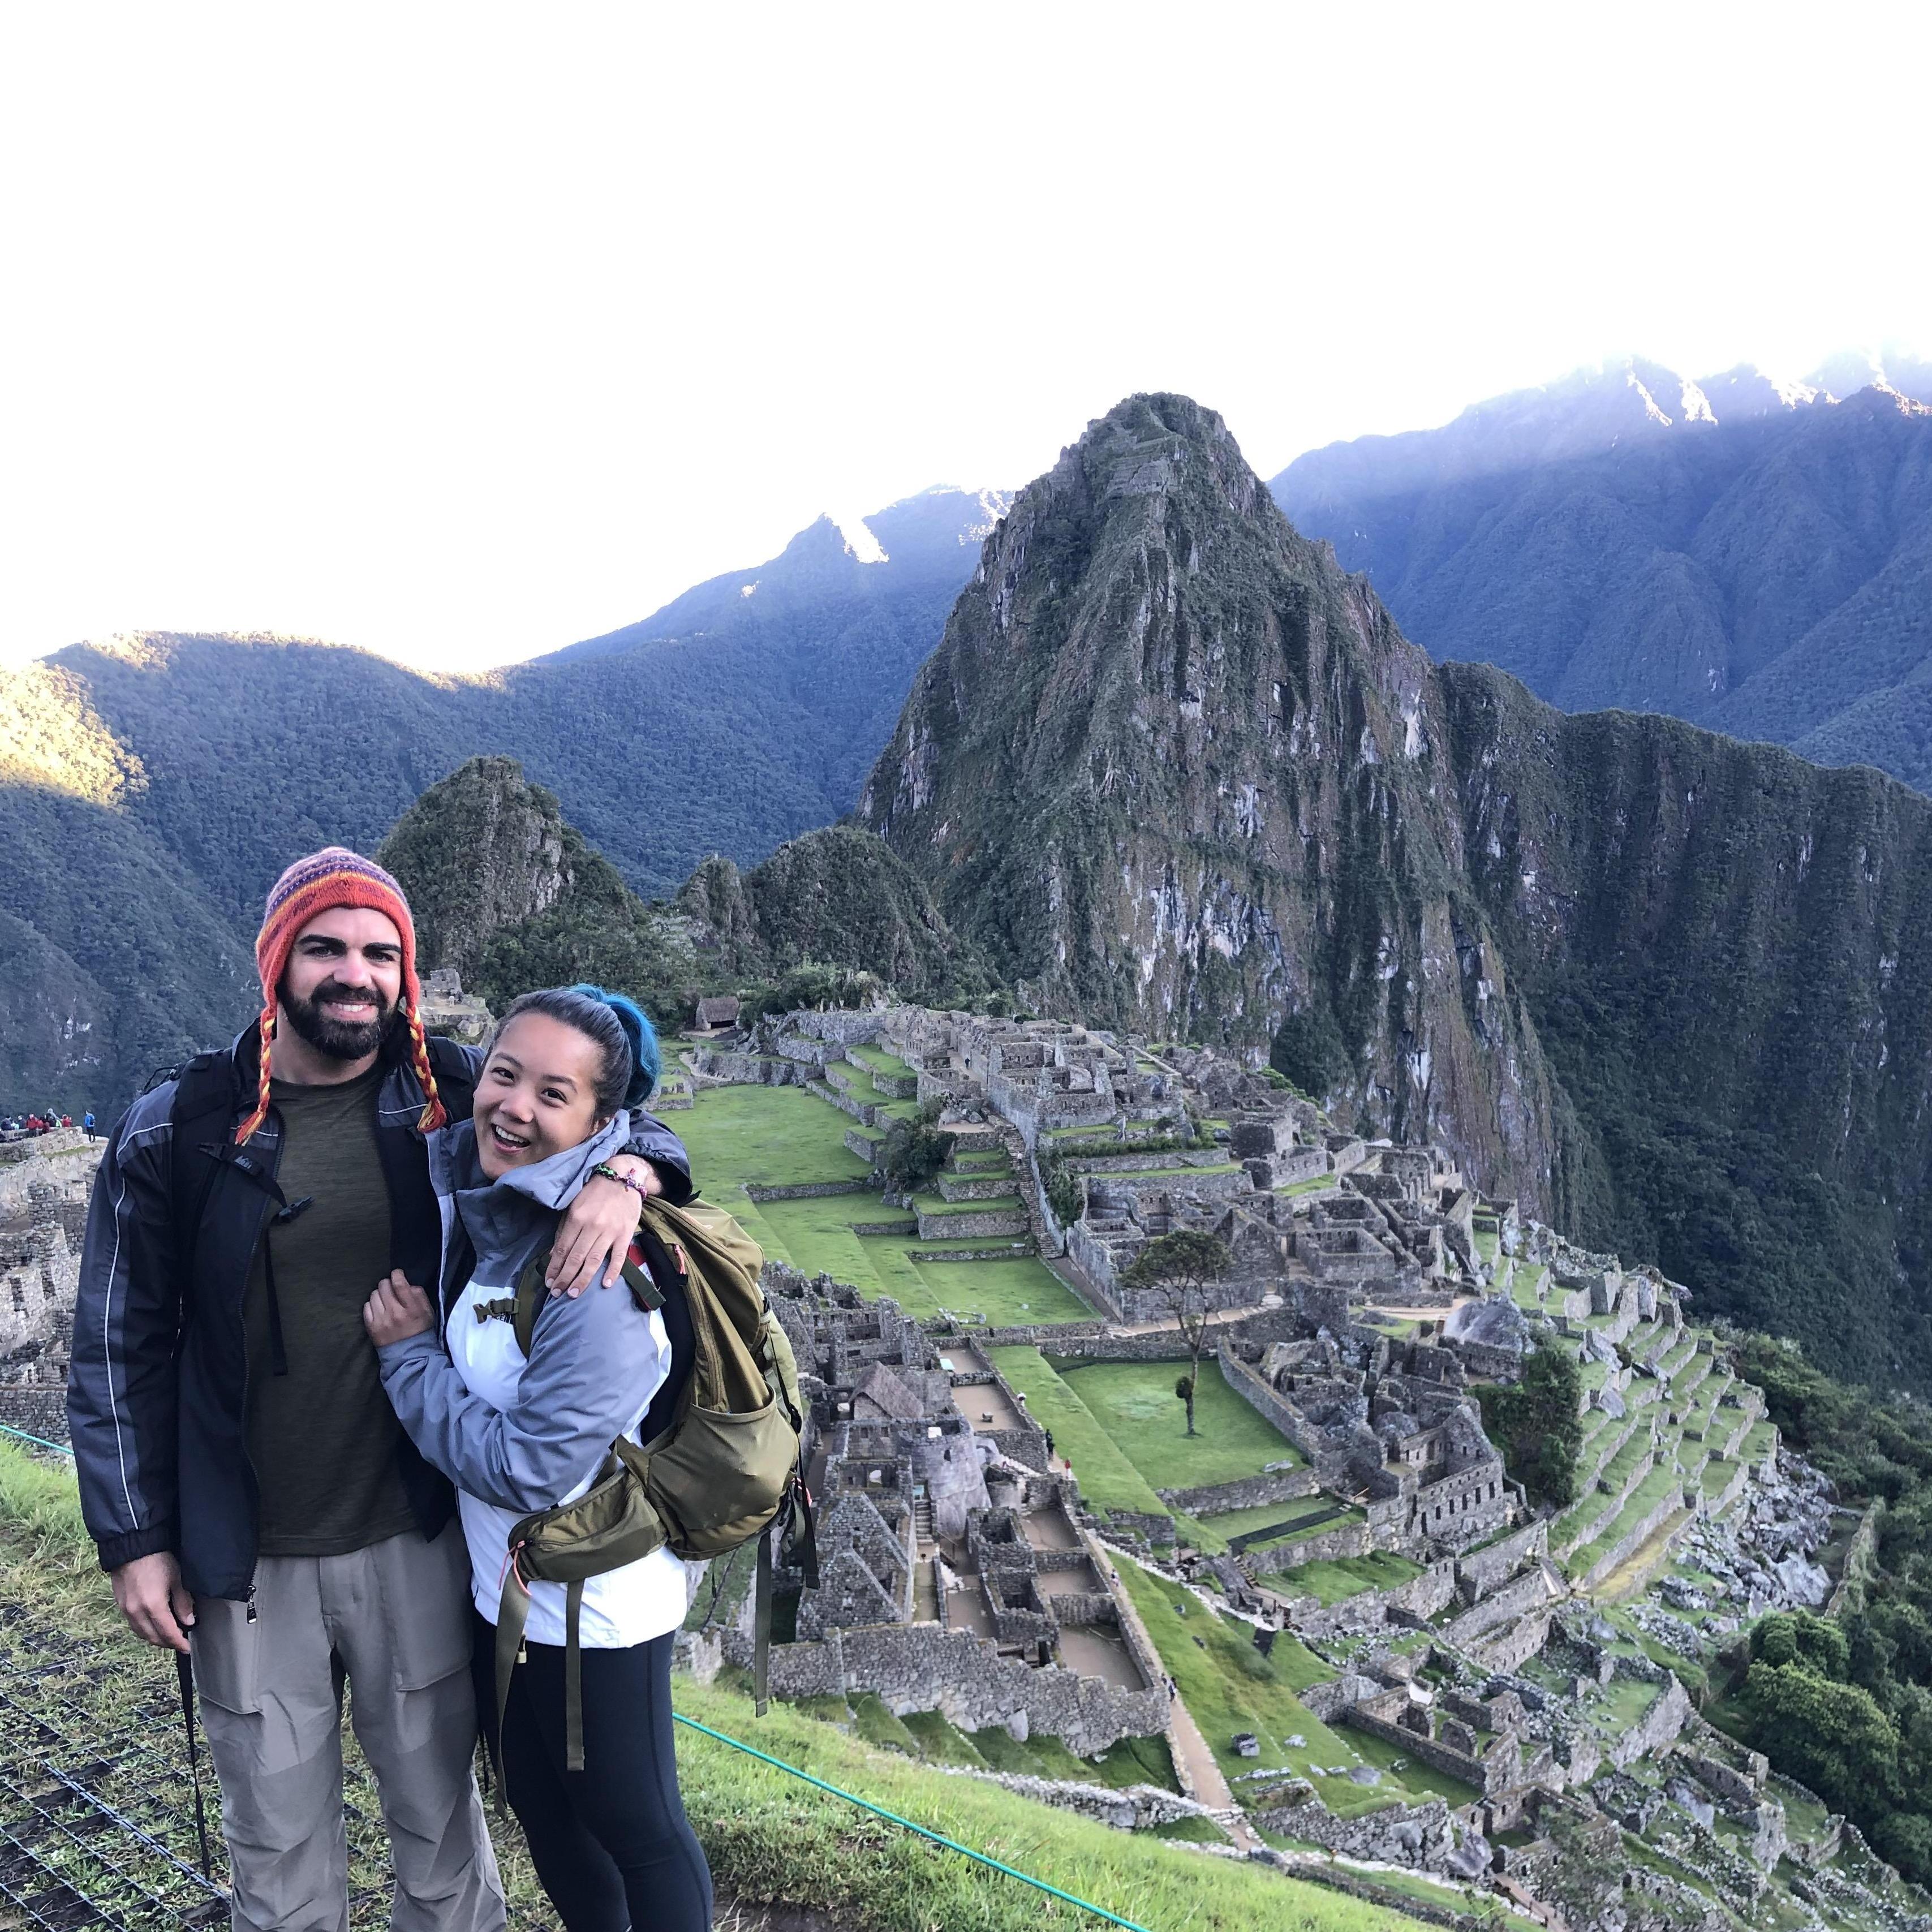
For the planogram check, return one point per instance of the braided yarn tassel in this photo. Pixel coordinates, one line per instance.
(433, 1115)
(267, 1025)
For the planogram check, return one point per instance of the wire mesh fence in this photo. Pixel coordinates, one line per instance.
(97, 1811)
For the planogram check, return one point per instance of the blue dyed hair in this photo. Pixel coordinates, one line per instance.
(610, 1021)
(647, 1061)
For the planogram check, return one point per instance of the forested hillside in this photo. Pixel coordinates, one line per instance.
(1753, 556)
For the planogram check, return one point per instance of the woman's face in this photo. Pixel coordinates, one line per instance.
(537, 1095)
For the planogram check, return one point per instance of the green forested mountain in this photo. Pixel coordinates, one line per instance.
(839, 897)
(1753, 556)
(1173, 768)
(152, 789)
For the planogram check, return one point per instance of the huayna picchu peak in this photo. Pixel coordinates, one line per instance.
(1175, 770)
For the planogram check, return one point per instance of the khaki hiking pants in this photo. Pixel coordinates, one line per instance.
(395, 1620)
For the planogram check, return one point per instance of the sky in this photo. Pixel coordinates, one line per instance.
(459, 333)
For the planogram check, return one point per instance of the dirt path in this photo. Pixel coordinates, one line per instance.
(1210, 1786)
(1200, 1776)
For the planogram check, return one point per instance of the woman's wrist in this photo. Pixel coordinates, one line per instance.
(604, 1171)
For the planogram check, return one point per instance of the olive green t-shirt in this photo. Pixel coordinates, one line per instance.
(323, 1436)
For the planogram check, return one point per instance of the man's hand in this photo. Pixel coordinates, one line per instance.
(154, 1600)
(595, 1234)
(397, 1310)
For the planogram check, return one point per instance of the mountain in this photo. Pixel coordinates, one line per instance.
(152, 787)
(506, 890)
(1750, 555)
(113, 961)
(502, 887)
(1173, 768)
(839, 897)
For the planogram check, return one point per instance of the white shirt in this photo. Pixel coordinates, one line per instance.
(621, 1608)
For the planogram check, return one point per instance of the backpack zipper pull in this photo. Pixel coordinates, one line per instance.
(251, 1603)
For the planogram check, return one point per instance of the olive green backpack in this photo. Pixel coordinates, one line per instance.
(725, 1470)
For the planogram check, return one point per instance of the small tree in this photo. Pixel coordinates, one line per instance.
(1183, 1266)
(1537, 1425)
(913, 1151)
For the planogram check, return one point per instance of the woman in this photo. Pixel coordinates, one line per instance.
(610, 1843)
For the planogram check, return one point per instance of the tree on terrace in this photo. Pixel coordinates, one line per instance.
(1183, 1266)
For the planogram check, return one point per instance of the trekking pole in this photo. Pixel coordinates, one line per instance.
(184, 1671)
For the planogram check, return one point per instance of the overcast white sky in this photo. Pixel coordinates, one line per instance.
(462, 332)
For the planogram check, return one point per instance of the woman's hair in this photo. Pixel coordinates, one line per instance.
(628, 1073)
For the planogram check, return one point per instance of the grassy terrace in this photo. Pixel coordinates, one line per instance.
(1311, 1516)
(1135, 1404)
(784, 1137)
(1524, 1285)
(1107, 1480)
(1334, 1581)
(876, 1059)
(1662, 1482)
(769, 1837)
(1001, 1203)
(1175, 1173)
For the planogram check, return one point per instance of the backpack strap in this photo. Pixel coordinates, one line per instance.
(532, 1294)
(201, 1115)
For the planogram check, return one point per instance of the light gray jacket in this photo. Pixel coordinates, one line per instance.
(592, 1360)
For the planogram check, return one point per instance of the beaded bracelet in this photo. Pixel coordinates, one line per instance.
(605, 1171)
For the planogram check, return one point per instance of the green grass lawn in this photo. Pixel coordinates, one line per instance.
(1136, 1404)
(815, 1235)
(1107, 1480)
(1313, 1511)
(771, 1136)
(781, 1137)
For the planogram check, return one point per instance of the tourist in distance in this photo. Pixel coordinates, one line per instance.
(611, 1841)
(249, 1487)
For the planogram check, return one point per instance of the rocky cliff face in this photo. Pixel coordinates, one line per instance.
(483, 850)
(506, 890)
(1174, 771)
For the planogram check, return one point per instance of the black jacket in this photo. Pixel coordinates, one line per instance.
(157, 1386)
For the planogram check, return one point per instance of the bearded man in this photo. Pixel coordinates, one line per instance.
(249, 1488)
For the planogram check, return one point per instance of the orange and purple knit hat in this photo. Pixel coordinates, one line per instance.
(336, 877)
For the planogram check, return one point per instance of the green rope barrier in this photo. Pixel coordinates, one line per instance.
(779, 1764)
(58, 1448)
(893, 1817)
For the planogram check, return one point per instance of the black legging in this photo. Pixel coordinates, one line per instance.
(610, 1843)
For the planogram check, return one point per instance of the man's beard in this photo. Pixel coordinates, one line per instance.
(339, 1039)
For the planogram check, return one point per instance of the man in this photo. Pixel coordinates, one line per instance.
(249, 1488)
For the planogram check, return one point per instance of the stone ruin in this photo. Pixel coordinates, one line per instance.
(39, 1277)
(956, 1572)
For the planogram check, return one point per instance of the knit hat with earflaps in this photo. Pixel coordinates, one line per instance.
(336, 877)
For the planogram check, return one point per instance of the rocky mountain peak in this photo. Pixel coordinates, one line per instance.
(482, 851)
(1177, 772)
